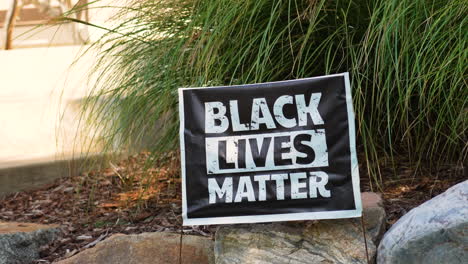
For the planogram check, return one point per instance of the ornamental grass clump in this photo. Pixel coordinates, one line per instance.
(407, 62)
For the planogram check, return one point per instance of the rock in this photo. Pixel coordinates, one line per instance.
(155, 248)
(374, 215)
(434, 232)
(325, 241)
(21, 242)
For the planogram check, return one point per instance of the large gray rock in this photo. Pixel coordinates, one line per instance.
(21, 242)
(147, 248)
(327, 241)
(434, 232)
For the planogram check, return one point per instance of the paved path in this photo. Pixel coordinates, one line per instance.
(36, 87)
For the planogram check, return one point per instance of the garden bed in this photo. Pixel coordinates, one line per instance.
(129, 197)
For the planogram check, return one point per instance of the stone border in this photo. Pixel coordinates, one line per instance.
(32, 174)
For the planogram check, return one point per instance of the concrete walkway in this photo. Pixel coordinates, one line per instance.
(37, 86)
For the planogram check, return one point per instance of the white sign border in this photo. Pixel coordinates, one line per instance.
(287, 216)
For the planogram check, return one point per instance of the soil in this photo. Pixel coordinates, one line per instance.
(131, 197)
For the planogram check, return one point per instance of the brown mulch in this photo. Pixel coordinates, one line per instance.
(130, 198)
(126, 198)
(403, 194)
(404, 188)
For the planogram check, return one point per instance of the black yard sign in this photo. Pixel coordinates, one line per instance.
(268, 152)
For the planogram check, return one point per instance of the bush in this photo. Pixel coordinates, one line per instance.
(407, 61)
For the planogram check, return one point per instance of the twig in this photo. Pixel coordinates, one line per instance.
(96, 241)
